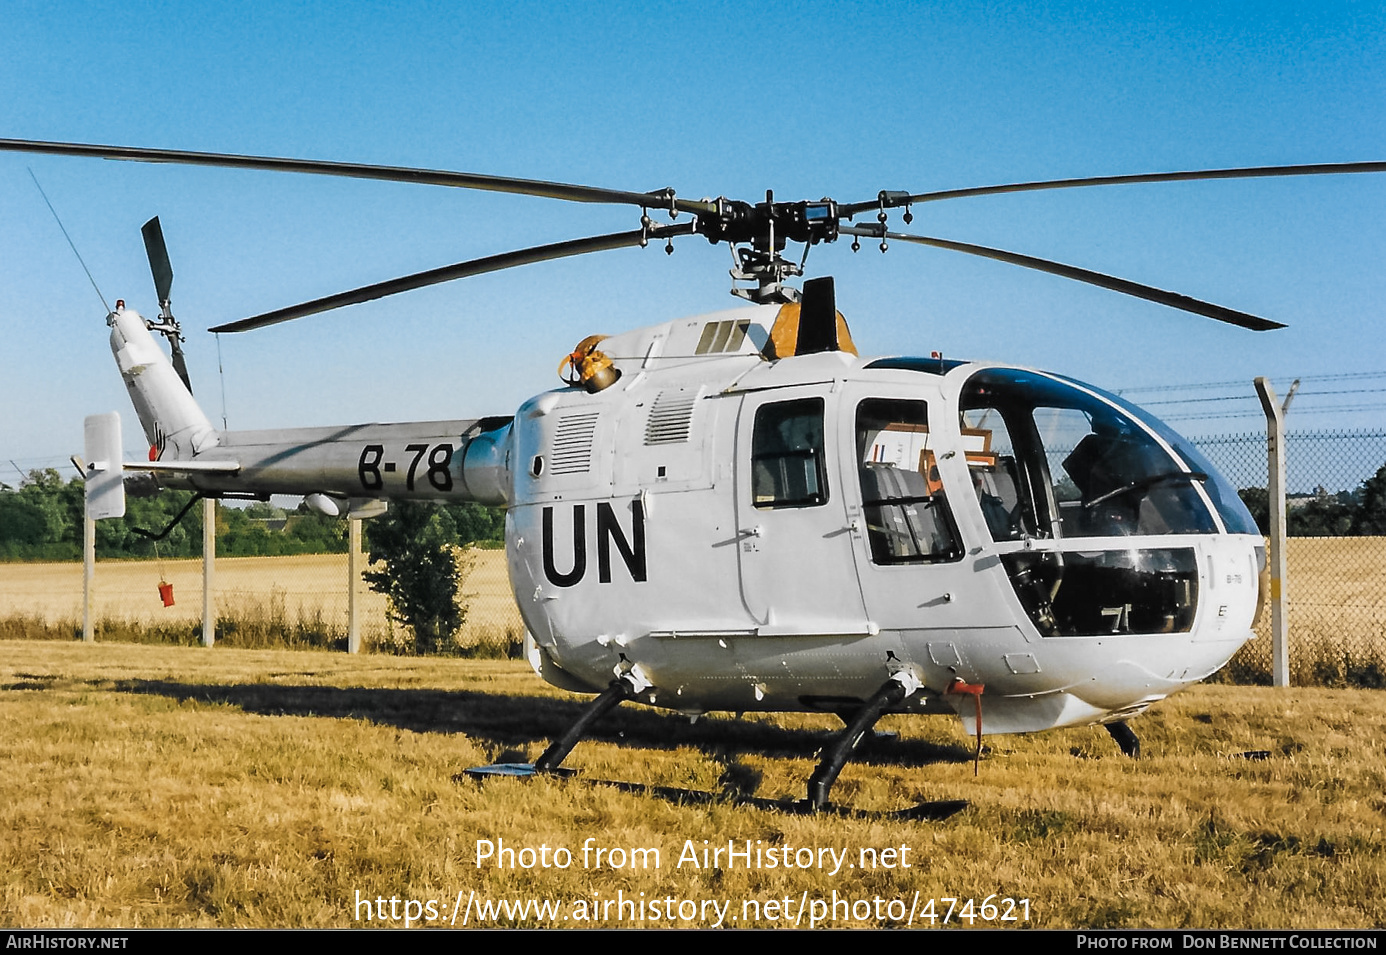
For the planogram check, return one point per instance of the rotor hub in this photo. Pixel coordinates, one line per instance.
(758, 234)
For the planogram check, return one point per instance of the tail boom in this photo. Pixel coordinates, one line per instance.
(464, 460)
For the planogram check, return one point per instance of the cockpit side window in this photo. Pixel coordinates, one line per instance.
(907, 515)
(1007, 479)
(787, 468)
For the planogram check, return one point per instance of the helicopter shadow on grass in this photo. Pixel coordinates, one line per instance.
(514, 724)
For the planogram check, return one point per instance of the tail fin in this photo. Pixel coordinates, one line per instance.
(173, 423)
(105, 485)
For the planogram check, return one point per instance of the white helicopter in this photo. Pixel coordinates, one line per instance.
(736, 512)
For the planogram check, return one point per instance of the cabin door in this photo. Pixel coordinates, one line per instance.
(793, 536)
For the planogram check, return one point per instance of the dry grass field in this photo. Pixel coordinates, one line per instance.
(310, 588)
(157, 786)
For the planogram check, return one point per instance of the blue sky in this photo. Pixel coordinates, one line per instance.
(808, 99)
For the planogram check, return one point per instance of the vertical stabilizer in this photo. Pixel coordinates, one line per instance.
(105, 485)
(173, 423)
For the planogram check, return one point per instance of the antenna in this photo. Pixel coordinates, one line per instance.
(222, 372)
(69, 241)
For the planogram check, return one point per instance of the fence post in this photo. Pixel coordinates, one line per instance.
(354, 576)
(88, 576)
(209, 559)
(1275, 500)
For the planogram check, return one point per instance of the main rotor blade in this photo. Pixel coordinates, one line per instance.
(491, 263)
(159, 265)
(1147, 292)
(660, 199)
(1249, 172)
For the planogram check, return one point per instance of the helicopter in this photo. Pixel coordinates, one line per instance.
(737, 512)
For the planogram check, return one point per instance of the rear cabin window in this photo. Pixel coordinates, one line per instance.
(787, 455)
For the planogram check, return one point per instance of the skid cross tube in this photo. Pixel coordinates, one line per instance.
(616, 693)
(156, 537)
(835, 756)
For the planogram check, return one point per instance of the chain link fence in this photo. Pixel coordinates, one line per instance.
(1335, 586)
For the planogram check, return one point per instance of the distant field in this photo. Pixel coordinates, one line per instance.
(1337, 592)
(168, 786)
(303, 585)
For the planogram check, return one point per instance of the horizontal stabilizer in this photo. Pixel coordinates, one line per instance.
(185, 467)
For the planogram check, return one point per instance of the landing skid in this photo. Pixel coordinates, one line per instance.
(925, 811)
(834, 757)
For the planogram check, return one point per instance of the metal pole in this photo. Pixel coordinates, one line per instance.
(1275, 499)
(209, 559)
(354, 578)
(88, 577)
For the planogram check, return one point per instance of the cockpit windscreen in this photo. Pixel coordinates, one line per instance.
(1051, 460)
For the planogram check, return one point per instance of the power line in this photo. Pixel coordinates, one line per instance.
(1250, 397)
(1295, 413)
(1342, 376)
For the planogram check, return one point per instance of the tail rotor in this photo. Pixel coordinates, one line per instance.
(162, 270)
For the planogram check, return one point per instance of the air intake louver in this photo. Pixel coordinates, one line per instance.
(671, 417)
(572, 444)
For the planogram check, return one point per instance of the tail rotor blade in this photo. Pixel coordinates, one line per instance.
(179, 364)
(159, 264)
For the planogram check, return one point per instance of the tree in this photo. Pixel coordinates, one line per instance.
(1316, 517)
(1320, 517)
(1346, 513)
(42, 520)
(1257, 501)
(22, 522)
(1370, 519)
(477, 522)
(423, 572)
(317, 532)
